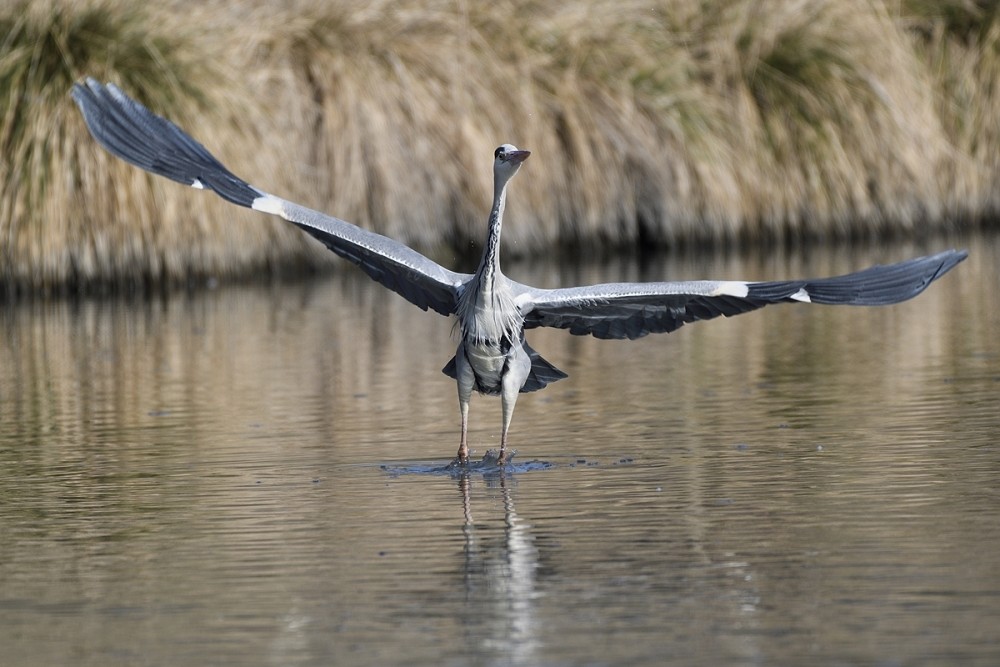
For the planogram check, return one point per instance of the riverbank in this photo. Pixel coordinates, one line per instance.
(650, 124)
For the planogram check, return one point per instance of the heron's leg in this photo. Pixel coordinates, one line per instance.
(511, 387)
(463, 445)
(466, 382)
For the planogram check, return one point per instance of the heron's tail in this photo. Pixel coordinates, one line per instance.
(542, 372)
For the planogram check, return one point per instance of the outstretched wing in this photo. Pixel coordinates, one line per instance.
(132, 132)
(632, 310)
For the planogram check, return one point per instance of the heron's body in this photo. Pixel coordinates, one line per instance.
(492, 310)
(492, 356)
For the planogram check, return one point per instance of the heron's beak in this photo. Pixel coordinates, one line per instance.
(517, 157)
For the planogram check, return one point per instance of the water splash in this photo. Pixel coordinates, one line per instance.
(488, 466)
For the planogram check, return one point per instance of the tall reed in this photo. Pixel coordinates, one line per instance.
(70, 214)
(660, 122)
(958, 42)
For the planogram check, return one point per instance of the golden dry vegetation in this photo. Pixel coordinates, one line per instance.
(656, 122)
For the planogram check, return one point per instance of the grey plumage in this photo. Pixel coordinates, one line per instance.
(493, 311)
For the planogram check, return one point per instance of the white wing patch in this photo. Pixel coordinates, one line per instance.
(198, 185)
(731, 288)
(802, 295)
(269, 204)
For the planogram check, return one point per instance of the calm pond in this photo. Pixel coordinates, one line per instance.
(240, 476)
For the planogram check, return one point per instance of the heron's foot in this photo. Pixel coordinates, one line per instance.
(499, 457)
(462, 458)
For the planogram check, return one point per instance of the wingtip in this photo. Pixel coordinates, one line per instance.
(87, 82)
(79, 89)
(949, 260)
(86, 90)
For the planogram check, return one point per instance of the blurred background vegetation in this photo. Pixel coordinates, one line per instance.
(652, 123)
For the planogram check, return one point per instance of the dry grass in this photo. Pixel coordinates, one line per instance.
(70, 214)
(662, 122)
(958, 42)
(840, 120)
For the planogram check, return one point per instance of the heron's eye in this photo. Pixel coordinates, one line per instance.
(499, 152)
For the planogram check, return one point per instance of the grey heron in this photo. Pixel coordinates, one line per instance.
(492, 310)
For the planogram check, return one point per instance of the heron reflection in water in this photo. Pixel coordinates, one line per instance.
(500, 572)
(493, 311)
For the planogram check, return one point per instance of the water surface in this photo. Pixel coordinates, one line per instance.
(239, 476)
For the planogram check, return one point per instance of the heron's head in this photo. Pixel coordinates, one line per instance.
(507, 160)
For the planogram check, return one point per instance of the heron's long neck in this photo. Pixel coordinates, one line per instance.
(487, 311)
(489, 265)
